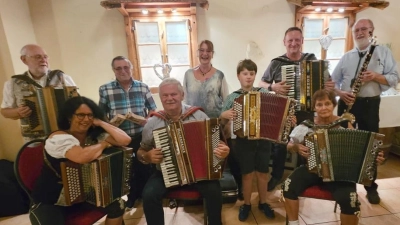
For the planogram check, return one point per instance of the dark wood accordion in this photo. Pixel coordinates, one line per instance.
(45, 104)
(305, 79)
(188, 151)
(99, 182)
(263, 116)
(343, 154)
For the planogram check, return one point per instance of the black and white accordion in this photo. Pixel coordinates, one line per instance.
(263, 116)
(188, 151)
(305, 79)
(343, 154)
(99, 182)
(45, 104)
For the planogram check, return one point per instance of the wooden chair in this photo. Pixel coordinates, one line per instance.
(27, 168)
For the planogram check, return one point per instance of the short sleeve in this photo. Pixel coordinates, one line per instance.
(298, 134)
(57, 145)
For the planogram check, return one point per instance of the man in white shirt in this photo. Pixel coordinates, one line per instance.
(20, 86)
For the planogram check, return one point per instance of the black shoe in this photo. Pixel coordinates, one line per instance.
(268, 212)
(273, 182)
(373, 197)
(244, 211)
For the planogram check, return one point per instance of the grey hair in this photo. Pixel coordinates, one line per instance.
(171, 81)
(369, 21)
(121, 58)
(25, 48)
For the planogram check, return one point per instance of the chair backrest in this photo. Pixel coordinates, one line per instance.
(28, 164)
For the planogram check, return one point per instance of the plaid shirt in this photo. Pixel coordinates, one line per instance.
(138, 100)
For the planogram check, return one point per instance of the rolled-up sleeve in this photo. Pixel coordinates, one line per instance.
(389, 70)
(8, 96)
(57, 145)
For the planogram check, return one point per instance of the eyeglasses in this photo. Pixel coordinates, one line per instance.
(362, 29)
(119, 69)
(81, 116)
(38, 57)
(204, 50)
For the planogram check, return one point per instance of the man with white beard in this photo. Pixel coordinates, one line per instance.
(381, 74)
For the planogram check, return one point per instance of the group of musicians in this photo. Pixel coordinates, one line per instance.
(207, 88)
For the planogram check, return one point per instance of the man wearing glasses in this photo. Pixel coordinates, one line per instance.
(380, 75)
(122, 96)
(38, 75)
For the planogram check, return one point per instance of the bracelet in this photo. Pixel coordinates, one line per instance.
(108, 144)
(141, 159)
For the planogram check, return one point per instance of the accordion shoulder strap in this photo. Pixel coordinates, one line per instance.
(163, 115)
(52, 74)
(241, 91)
(286, 60)
(314, 126)
(27, 79)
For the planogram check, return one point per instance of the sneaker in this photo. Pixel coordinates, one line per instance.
(273, 182)
(373, 197)
(268, 212)
(244, 211)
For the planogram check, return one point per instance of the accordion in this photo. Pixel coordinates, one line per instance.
(343, 154)
(99, 182)
(263, 116)
(305, 79)
(188, 151)
(45, 104)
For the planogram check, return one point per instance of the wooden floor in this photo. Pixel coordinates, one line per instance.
(312, 211)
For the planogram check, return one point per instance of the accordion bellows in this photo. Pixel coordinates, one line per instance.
(188, 151)
(263, 116)
(344, 154)
(99, 182)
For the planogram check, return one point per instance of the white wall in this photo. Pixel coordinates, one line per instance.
(231, 24)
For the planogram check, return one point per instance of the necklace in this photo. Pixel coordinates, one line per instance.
(202, 73)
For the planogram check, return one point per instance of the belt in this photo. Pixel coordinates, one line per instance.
(369, 98)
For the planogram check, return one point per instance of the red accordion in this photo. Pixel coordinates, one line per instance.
(188, 151)
(263, 116)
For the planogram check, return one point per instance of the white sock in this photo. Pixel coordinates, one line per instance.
(294, 222)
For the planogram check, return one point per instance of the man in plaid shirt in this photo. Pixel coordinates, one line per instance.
(121, 96)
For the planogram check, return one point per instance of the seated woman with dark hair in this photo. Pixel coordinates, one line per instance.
(82, 137)
(344, 193)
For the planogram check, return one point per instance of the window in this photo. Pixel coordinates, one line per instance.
(160, 42)
(327, 26)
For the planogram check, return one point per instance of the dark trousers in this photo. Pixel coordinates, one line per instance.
(140, 172)
(366, 111)
(279, 151)
(155, 189)
(234, 164)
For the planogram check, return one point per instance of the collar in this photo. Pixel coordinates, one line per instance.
(42, 78)
(119, 85)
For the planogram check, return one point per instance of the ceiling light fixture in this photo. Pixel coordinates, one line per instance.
(317, 9)
(341, 10)
(329, 10)
(145, 11)
(173, 10)
(160, 11)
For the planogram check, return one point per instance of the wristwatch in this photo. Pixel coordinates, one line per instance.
(270, 87)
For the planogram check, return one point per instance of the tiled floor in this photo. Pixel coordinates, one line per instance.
(312, 211)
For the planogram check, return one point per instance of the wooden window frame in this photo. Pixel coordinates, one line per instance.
(188, 13)
(326, 17)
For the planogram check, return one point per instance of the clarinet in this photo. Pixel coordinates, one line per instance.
(356, 86)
